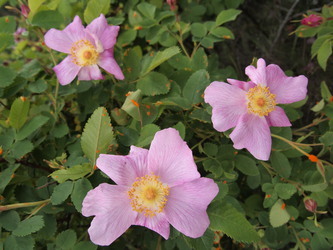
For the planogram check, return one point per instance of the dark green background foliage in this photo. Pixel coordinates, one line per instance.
(51, 135)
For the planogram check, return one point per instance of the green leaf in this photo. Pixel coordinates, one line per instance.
(222, 32)
(7, 24)
(72, 173)
(324, 52)
(278, 215)
(50, 227)
(132, 104)
(319, 106)
(181, 129)
(61, 192)
(154, 84)
(97, 135)
(202, 243)
(281, 164)
(60, 130)
(66, 239)
(80, 190)
(19, 112)
(38, 86)
(146, 9)
(195, 86)
(95, 8)
(227, 16)
(6, 40)
(198, 30)
(327, 138)
(147, 134)
(85, 245)
(21, 148)
(20, 243)
(285, 190)
(246, 165)
(48, 19)
(29, 226)
(132, 63)
(7, 76)
(224, 217)
(34, 124)
(159, 58)
(34, 6)
(9, 220)
(6, 176)
(325, 91)
(315, 187)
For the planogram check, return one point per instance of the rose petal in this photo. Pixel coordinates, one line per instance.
(123, 170)
(252, 132)
(106, 33)
(187, 204)
(157, 223)
(242, 85)
(257, 75)
(66, 71)
(114, 214)
(170, 158)
(91, 72)
(76, 31)
(278, 118)
(228, 102)
(107, 62)
(58, 40)
(287, 89)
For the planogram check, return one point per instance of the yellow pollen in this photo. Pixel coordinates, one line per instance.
(148, 195)
(260, 101)
(84, 53)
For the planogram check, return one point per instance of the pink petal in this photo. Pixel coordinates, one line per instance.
(170, 158)
(107, 62)
(58, 40)
(252, 132)
(242, 85)
(278, 118)
(287, 89)
(228, 102)
(66, 71)
(105, 33)
(157, 223)
(76, 31)
(257, 75)
(114, 214)
(187, 204)
(123, 170)
(91, 72)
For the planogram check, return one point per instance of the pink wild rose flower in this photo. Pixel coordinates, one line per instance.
(87, 48)
(312, 20)
(251, 107)
(155, 188)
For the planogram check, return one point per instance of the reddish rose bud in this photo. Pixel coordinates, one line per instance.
(25, 10)
(172, 4)
(310, 205)
(312, 20)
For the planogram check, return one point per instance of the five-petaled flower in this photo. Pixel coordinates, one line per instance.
(86, 48)
(155, 188)
(312, 20)
(251, 107)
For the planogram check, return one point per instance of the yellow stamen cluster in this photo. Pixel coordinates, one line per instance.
(83, 53)
(260, 101)
(148, 195)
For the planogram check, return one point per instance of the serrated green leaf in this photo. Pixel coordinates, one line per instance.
(50, 227)
(34, 6)
(21, 148)
(7, 24)
(222, 32)
(281, 164)
(80, 190)
(6, 40)
(153, 84)
(30, 127)
(29, 226)
(6, 176)
(38, 86)
(195, 86)
(181, 129)
(324, 52)
(327, 138)
(319, 106)
(246, 165)
(146, 9)
(227, 16)
(19, 112)
(325, 91)
(315, 187)
(132, 104)
(198, 30)
(147, 134)
(95, 8)
(226, 218)
(202, 243)
(19, 243)
(9, 220)
(97, 135)
(61, 192)
(159, 58)
(285, 190)
(47, 19)
(278, 215)
(66, 239)
(72, 173)
(85, 245)
(7, 76)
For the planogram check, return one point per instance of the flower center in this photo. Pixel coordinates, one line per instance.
(83, 53)
(260, 101)
(148, 195)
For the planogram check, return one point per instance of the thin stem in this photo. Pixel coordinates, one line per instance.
(205, 138)
(35, 211)
(311, 124)
(24, 204)
(291, 144)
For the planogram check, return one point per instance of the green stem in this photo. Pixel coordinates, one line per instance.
(24, 204)
(290, 143)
